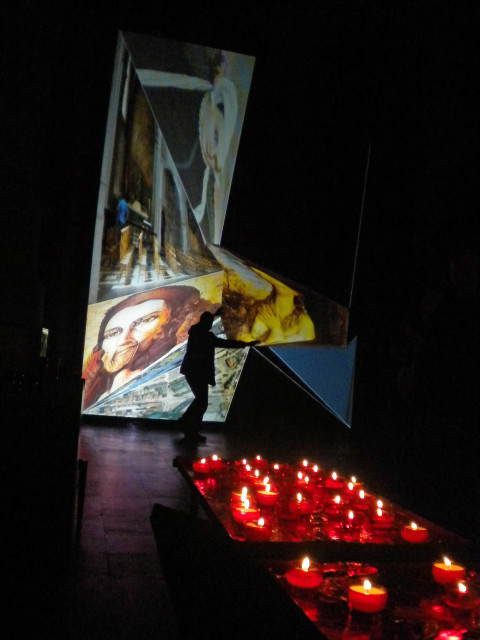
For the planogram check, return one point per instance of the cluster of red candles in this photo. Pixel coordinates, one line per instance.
(265, 493)
(293, 494)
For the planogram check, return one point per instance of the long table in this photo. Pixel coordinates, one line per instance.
(418, 607)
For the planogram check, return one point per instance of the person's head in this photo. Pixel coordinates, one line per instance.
(206, 320)
(143, 327)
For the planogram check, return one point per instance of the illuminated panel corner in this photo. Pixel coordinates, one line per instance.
(328, 372)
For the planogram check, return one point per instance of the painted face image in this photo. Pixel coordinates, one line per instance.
(131, 331)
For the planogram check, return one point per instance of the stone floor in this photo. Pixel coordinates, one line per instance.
(117, 588)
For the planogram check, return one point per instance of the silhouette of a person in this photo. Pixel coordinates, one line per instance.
(198, 367)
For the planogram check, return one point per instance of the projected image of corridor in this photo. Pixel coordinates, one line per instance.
(175, 119)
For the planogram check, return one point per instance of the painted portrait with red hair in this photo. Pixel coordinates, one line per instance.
(137, 331)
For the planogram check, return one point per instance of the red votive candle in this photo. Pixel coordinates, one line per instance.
(334, 482)
(351, 489)
(462, 596)
(238, 496)
(361, 501)
(413, 533)
(201, 466)
(245, 513)
(382, 519)
(300, 505)
(267, 497)
(446, 572)
(260, 463)
(257, 531)
(364, 597)
(216, 463)
(305, 577)
(333, 507)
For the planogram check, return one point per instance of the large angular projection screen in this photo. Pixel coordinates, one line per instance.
(175, 117)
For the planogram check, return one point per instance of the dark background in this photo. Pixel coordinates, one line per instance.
(334, 83)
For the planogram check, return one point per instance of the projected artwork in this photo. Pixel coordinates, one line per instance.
(175, 117)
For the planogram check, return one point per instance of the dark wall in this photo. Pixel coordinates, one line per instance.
(331, 81)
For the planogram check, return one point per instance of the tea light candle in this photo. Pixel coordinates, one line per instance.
(382, 519)
(450, 634)
(462, 597)
(267, 497)
(305, 577)
(300, 505)
(238, 497)
(201, 466)
(333, 507)
(260, 463)
(413, 533)
(302, 483)
(257, 531)
(257, 478)
(361, 502)
(352, 488)
(446, 572)
(215, 463)
(367, 598)
(334, 482)
(245, 513)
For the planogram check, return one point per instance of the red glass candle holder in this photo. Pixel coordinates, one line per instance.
(266, 498)
(201, 467)
(243, 515)
(304, 578)
(367, 599)
(446, 572)
(414, 534)
(257, 532)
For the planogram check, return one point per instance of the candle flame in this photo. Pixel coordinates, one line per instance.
(244, 461)
(215, 457)
(305, 564)
(244, 493)
(414, 526)
(305, 463)
(257, 473)
(315, 468)
(258, 458)
(350, 486)
(248, 467)
(299, 497)
(246, 504)
(350, 515)
(334, 475)
(379, 504)
(337, 499)
(379, 512)
(367, 585)
(261, 522)
(267, 488)
(462, 587)
(307, 479)
(354, 479)
(361, 494)
(266, 480)
(203, 460)
(276, 467)
(447, 562)
(299, 475)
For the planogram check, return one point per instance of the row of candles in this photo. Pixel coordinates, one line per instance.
(370, 599)
(365, 597)
(301, 493)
